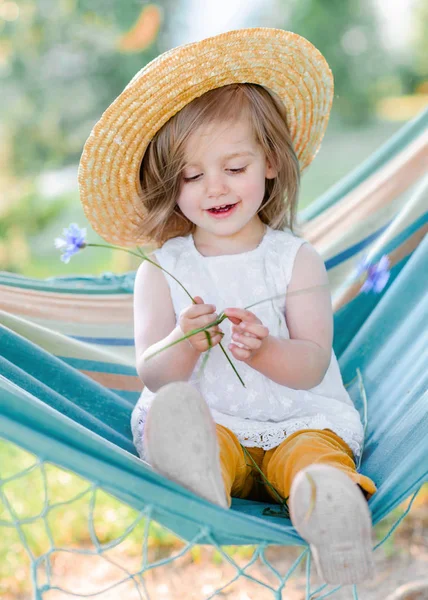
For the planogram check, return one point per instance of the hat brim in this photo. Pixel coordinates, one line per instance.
(280, 61)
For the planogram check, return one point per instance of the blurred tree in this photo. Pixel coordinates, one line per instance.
(28, 215)
(408, 85)
(64, 66)
(144, 32)
(62, 62)
(345, 31)
(420, 44)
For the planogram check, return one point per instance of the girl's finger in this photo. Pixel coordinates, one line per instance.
(252, 343)
(197, 310)
(241, 314)
(239, 353)
(241, 345)
(256, 329)
(215, 331)
(234, 320)
(239, 329)
(215, 339)
(204, 320)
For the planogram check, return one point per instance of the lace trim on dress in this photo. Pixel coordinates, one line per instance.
(270, 438)
(267, 438)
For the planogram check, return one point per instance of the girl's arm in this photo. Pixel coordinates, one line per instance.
(302, 361)
(155, 327)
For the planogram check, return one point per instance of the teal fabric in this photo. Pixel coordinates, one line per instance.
(391, 351)
(47, 405)
(108, 283)
(49, 408)
(391, 148)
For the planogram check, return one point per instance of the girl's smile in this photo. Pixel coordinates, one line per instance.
(222, 212)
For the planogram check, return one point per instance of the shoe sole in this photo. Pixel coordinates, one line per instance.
(180, 441)
(329, 511)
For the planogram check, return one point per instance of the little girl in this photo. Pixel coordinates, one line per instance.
(201, 156)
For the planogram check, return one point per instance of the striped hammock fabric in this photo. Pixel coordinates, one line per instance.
(68, 381)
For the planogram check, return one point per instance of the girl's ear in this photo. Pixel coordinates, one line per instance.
(270, 171)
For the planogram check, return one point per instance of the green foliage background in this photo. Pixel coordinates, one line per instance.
(61, 68)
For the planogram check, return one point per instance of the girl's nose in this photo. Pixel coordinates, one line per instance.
(216, 186)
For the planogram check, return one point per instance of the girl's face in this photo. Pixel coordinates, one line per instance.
(223, 181)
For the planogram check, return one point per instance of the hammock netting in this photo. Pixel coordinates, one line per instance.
(68, 386)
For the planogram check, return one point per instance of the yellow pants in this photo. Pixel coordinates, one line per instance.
(281, 464)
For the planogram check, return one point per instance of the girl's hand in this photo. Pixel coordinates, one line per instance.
(196, 316)
(248, 333)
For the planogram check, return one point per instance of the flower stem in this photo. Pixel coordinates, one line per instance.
(142, 255)
(219, 320)
(282, 501)
(288, 294)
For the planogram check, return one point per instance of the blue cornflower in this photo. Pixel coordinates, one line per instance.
(375, 276)
(72, 242)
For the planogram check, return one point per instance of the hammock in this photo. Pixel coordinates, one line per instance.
(68, 381)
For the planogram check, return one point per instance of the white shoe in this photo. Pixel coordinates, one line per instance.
(334, 518)
(180, 441)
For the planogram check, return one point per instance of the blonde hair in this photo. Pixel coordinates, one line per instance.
(164, 160)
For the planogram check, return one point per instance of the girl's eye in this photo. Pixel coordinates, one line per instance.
(196, 177)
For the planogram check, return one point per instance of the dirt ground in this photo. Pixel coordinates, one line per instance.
(185, 579)
(401, 562)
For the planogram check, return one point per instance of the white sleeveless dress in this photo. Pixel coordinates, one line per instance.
(263, 413)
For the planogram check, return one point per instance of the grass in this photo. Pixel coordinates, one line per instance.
(56, 506)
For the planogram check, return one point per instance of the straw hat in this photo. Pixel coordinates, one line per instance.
(278, 60)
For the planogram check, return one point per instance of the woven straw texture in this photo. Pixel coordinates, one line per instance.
(281, 61)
